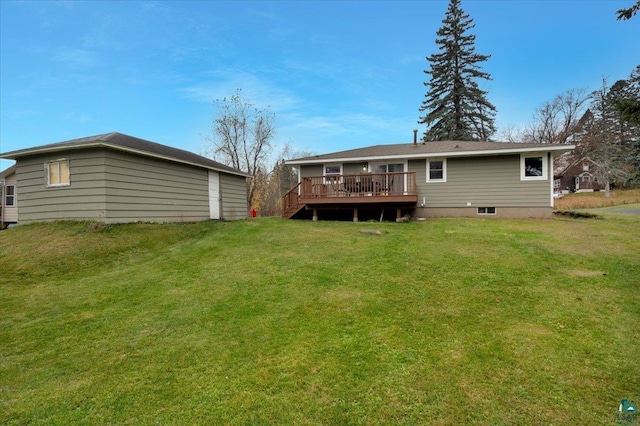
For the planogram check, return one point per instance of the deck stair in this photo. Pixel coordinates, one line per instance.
(291, 203)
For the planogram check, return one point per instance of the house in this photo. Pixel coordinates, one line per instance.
(8, 206)
(582, 175)
(116, 178)
(442, 178)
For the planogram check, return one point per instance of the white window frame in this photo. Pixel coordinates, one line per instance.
(326, 166)
(64, 180)
(545, 167)
(444, 169)
(6, 196)
(486, 211)
(331, 177)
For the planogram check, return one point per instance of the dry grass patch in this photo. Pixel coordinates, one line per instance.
(585, 273)
(593, 200)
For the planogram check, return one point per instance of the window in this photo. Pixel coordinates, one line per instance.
(10, 196)
(486, 210)
(437, 170)
(333, 169)
(533, 167)
(387, 168)
(586, 178)
(556, 183)
(58, 173)
(332, 173)
(585, 167)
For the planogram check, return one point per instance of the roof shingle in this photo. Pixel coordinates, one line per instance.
(115, 140)
(430, 149)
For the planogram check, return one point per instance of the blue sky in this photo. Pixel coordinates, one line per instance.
(337, 75)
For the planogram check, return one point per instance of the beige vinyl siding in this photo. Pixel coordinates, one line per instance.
(311, 170)
(354, 168)
(113, 187)
(84, 198)
(10, 214)
(146, 189)
(233, 192)
(491, 181)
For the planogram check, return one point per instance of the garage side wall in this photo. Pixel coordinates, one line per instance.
(151, 190)
(233, 192)
(83, 199)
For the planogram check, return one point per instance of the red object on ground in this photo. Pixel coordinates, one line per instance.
(254, 213)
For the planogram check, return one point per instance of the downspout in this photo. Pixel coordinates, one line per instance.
(550, 160)
(2, 189)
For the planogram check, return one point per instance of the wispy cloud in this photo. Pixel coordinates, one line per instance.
(258, 91)
(76, 57)
(75, 117)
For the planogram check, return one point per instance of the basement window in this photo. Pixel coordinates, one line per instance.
(486, 210)
(57, 173)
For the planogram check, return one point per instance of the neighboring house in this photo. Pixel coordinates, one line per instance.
(443, 178)
(583, 175)
(8, 202)
(115, 178)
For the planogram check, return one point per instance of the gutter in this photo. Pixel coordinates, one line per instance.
(38, 151)
(449, 154)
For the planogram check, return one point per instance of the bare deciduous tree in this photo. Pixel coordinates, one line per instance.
(511, 134)
(242, 135)
(277, 182)
(606, 138)
(556, 121)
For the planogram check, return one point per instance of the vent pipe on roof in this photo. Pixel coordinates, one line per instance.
(415, 137)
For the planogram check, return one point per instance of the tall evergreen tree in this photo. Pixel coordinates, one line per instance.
(455, 107)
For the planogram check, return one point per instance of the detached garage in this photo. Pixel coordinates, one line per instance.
(116, 178)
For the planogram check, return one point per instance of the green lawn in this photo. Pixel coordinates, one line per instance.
(444, 322)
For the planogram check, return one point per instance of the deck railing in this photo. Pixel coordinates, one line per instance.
(359, 185)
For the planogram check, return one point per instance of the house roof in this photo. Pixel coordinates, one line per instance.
(430, 150)
(8, 171)
(122, 142)
(573, 164)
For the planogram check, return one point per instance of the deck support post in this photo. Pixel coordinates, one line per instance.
(398, 214)
(355, 214)
(315, 215)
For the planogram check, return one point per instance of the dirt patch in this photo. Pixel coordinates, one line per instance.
(585, 273)
(341, 296)
(574, 214)
(531, 330)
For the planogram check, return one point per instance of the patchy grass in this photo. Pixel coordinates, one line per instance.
(447, 321)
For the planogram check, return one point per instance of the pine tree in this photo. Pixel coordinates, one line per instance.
(456, 108)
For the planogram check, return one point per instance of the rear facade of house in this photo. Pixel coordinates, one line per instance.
(450, 179)
(98, 182)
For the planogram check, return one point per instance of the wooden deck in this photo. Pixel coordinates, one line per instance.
(352, 192)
